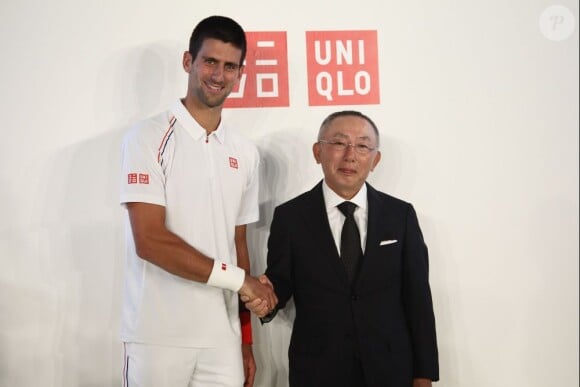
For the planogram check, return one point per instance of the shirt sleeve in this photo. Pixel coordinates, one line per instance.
(142, 176)
(249, 206)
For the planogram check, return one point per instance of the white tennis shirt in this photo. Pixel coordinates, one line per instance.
(208, 185)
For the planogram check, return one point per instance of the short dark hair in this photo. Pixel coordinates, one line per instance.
(344, 113)
(218, 27)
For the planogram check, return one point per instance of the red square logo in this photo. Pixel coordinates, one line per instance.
(233, 162)
(224, 267)
(143, 178)
(343, 68)
(132, 178)
(264, 82)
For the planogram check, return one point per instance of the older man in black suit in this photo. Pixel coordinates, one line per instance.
(356, 264)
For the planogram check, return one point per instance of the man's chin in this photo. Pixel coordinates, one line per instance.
(215, 102)
(212, 100)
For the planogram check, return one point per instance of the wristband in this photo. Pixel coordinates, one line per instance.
(226, 276)
(246, 324)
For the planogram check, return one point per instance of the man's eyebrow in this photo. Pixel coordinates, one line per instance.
(342, 135)
(227, 63)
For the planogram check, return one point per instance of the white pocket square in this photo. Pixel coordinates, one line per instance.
(388, 242)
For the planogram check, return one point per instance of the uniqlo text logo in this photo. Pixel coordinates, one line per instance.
(233, 163)
(343, 68)
(134, 178)
(143, 178)
(264, 82)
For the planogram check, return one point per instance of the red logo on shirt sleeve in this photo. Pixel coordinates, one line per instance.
(233, 162)
(224, 267)
(143, 178)
(132, 178)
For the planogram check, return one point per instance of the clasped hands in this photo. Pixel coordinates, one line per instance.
(258, 295)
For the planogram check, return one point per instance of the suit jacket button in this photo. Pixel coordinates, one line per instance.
(354, 297)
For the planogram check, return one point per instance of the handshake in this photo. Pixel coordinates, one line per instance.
(258, 295)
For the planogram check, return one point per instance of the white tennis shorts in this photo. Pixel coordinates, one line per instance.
(162, 366)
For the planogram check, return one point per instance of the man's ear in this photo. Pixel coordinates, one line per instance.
(316, 152)
(187, 61)
(241, 72)
(376, 160)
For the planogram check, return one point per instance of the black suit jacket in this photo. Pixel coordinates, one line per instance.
(385, 316)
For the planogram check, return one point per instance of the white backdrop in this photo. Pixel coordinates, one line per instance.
(479, 125)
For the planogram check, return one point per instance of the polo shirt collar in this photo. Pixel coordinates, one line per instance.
(192, 127)
(331, 198)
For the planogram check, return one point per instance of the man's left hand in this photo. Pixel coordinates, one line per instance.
(249, 365)
(420, 382)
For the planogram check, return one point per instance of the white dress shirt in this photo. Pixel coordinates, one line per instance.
(336, 218)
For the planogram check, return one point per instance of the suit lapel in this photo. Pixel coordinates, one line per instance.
(318, 229)
(374, 220)
(375, 223)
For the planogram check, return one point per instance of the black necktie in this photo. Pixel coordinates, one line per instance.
(350, 250)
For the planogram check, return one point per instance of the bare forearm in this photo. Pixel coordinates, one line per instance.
(158, 245)
(173, 254)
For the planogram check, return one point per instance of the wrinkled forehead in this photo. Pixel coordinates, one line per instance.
(350, 128)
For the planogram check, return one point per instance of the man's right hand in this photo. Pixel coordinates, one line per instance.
(260, 293)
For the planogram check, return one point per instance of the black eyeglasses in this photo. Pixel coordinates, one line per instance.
(340, 146)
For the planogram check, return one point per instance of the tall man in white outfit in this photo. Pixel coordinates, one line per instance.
(190, 186)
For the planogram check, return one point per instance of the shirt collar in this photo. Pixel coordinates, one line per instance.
(192, 127)
(332, 199)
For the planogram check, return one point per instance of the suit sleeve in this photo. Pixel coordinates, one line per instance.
(418, 301)
(279, 260)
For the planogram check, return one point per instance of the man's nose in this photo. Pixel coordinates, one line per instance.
(349, 152)
(218, 72)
